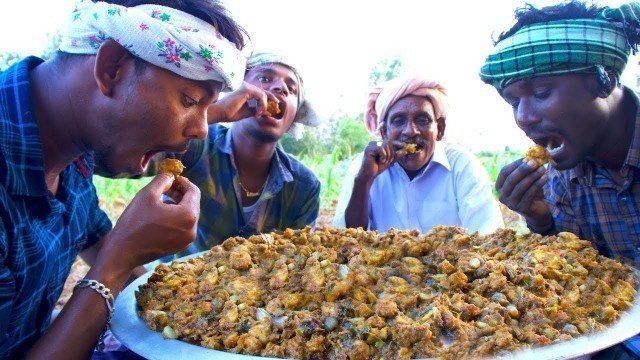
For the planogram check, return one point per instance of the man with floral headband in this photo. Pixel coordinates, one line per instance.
(250, 185)
(559, 68)
(412, 179)
(130, 81)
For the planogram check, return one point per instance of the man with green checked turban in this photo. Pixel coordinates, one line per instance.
(559, 68)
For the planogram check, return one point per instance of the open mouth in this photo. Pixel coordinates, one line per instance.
(553, 144)
(412, 147)
(280, 114)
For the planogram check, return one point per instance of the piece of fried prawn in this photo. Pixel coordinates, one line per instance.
(539, 154)
(171, 166)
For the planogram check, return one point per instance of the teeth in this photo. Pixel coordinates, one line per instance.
(556, 150)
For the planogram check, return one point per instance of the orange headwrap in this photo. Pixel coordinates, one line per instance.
(382, 98)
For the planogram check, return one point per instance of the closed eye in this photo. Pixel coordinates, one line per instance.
(542, 94)
(188, 101)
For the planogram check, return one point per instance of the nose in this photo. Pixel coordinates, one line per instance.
(279, 86)
(525, 114)
(197, 127)
(410, 129)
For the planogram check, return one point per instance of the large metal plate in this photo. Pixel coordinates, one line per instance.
(131, 331)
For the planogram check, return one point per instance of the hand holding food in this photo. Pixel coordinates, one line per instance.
(378, 157)
(149, 229)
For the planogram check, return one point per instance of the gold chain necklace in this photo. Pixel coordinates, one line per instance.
(251, 193)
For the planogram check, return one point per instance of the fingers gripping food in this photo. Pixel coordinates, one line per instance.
(355, 294)
(273, 107)
(171, 166)
(539, 154)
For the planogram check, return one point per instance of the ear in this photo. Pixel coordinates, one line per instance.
(109, 68)
(442, 124)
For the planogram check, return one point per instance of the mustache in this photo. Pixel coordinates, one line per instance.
(414, 140)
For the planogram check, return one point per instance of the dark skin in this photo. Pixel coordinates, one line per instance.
(410, 119)
(72, 112)
(567, 112)
(256, 136)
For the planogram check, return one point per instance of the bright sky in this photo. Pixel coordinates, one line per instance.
(336, 43)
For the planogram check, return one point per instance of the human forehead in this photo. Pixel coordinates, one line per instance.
(412, 104)
(530, 84)
(211, 87)
(274, 69)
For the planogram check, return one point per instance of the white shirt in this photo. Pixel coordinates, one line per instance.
(453, 189)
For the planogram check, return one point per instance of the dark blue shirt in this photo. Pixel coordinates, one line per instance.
(40, 235)
(290, 199)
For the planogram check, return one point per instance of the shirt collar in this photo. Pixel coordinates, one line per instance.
(440, 156)
(25, 166)
(278, 172)
(584, 172)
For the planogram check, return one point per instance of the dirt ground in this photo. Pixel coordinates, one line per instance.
(80, 268)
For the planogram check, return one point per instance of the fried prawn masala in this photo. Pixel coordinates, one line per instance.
(539, 154)
(273, 107)
(410, 148)
(171, 166)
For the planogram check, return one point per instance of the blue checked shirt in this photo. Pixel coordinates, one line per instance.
(587, 201)
(290, 199)
(40, 235)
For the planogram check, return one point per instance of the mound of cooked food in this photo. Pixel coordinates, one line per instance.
(355, 294)
(273, 107)
(539, 154)
(172, 166)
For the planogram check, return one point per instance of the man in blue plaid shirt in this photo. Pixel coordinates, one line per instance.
(249, 185)
(559, 68)
(129, 82)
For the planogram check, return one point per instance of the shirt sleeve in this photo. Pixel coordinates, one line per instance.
(477, 208)
(557, 196)
(346, 191)
(100, 223)
(310, 208)
(7, 288)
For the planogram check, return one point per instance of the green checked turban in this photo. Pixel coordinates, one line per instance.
(565, 46)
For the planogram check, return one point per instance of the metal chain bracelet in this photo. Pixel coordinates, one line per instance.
(108, 297)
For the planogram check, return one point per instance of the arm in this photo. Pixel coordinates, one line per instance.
(147, 230)
(236, 105)
(376, 159)
(519, 187)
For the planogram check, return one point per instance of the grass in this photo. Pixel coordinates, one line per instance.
(115, 194)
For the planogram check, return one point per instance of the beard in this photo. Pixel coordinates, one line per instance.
(261, 136)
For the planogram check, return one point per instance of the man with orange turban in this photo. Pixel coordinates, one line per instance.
(412, 180)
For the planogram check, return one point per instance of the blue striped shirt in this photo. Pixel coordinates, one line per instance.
(40, 235)
(588, 202)
(291, 196)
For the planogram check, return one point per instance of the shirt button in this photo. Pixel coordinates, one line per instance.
(240, 232)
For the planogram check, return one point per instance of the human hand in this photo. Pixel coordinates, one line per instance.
(249, 100)
(149, 228)
(378, 157)
(519, 187)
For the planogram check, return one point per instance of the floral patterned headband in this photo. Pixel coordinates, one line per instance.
(162, 36)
